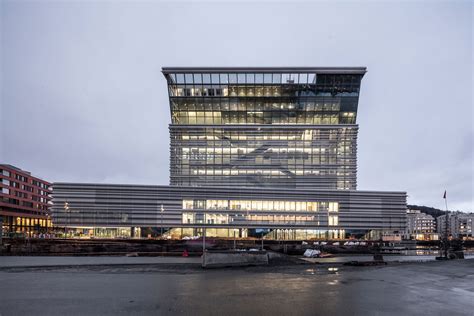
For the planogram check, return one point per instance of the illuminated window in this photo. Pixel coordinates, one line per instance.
(188, 204)
(333, 220)
(217, 218)
(188, 218)
(199, 204)
(262, 205)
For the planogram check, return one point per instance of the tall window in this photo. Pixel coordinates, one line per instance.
(188, 218)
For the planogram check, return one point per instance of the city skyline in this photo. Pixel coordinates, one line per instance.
(103, 111)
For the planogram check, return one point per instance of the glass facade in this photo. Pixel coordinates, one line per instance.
(264, 127)
(262, 205)
(260, 212)
(322, 158)
(263, 98)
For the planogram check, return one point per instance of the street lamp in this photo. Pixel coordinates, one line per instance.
(162, 209)
(66, 210)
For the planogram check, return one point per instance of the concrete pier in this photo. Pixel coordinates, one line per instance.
(215, 259)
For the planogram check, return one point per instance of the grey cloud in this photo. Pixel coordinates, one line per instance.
(83, 98)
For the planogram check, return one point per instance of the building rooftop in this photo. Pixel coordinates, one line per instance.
(5, 165)
(317, 70)
(22, 171)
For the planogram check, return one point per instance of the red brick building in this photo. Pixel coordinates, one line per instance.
(24, 202)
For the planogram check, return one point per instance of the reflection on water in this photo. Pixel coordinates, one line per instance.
(318, 271)
(420, 252)
(430, 251)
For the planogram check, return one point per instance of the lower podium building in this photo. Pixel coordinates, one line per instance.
(103, 210)
(263, 152)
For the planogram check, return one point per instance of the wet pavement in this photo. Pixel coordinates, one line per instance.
(430, 288)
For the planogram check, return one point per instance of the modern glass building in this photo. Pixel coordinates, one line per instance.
(253, 151)
(272, 127)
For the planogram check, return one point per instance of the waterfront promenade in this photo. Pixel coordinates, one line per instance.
(51, 261)
(63, 261)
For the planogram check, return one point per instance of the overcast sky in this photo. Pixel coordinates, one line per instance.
(83, 98)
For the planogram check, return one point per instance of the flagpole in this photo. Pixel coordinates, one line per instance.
(446, 228)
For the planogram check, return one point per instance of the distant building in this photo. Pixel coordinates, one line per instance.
(420, 226)
(460, 225)
(24, 201)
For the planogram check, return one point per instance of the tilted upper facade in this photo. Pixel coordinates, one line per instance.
(264, 127)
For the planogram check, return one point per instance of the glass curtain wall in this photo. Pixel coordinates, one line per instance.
(290, 129)
(242, 156)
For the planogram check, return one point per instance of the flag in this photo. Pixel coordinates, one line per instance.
(444, 196)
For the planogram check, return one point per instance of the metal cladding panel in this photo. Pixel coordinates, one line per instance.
(102, 205)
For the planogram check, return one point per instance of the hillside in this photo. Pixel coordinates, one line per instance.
(427, 210)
